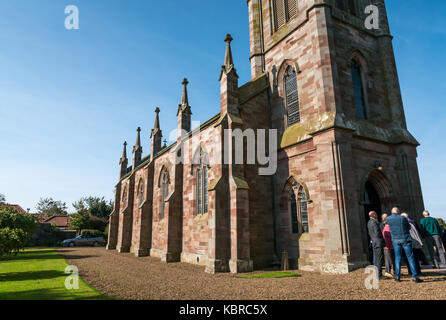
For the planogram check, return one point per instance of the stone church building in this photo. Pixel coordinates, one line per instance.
(329, 85)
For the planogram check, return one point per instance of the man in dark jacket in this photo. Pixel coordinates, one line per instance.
(377, 241)
(444, 238)
(400, 231)
(431, 231)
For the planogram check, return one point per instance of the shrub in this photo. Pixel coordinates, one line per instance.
(15, 230)
(106, 231)
(93, 233)
(49, 236)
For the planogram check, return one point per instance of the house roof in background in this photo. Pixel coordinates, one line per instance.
(59, 221)
(16, 207)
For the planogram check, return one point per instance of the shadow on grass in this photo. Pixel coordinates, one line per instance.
(31, 275)
(50, 294)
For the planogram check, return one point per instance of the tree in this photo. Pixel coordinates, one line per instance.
(442, 223)
(49, 207)
(80, 220)
(95, 206)
(15, 230)
(2, 198)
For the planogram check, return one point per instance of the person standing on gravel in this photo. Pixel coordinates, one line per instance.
(417, 243)
(400, 231)
(377, 241)
(444, 238)
(389, 255)
(431, 231)
(382, 224)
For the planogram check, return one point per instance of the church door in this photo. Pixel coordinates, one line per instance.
(372, 202)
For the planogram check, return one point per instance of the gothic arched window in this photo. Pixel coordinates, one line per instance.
(124, 195)
(299, 211)
(140, 192)
(291, 97)
(358, 90)
(164, 190)
(284, 10)
(202, 182)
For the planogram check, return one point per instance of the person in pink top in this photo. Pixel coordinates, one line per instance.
(389, 256)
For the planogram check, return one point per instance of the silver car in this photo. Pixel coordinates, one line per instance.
(84, 240)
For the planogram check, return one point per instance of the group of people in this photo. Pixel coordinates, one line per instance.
(399, 238)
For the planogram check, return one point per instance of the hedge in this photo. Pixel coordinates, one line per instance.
(94, 233)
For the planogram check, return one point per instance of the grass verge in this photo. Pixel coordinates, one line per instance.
(39, 274)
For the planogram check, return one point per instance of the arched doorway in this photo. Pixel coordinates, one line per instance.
(293, 219)
(372, 202)
(376, 195)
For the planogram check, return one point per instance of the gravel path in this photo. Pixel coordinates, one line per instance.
(126, 277)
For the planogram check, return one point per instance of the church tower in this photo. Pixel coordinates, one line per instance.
(344, 147)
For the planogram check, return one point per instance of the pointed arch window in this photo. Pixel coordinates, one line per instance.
(291, 96)
(283, 10)
(164, 186)
(358, 90)
(202, 182)
(299, 211)
(124, 195)
(140, 196)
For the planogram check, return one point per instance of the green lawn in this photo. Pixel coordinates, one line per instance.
(275, 274)
(39, 274)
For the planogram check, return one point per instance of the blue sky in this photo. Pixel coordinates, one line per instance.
(68, 99)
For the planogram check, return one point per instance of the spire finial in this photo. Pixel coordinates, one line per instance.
(157, 119)
(123, 160)
(138, 138)
(185, 99)
(165, 144)
(229, 62)
(124, 152)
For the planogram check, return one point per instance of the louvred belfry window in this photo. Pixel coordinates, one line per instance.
(292, 97)
(291, 8)
(348, 5)
(352, 7)
(284, 10)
